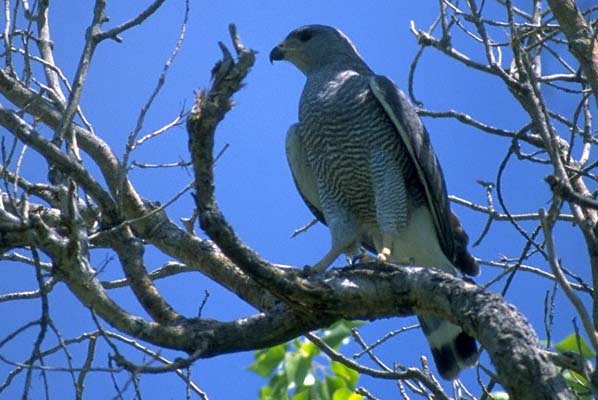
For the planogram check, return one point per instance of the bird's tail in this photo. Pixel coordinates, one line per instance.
(452, 348)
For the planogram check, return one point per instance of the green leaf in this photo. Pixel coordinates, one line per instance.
(292, 372)
(268, 360)
(338, 332)
(309, 349)
(334, 383)
(346, 394)
(302, 395)
(350, 376)
(323, 390)
(265, 393)
(276, 389)
(573, 344)
(499, 396)
(576, 382)
(297, 366)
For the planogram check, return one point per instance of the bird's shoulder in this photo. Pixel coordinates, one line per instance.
(335, 91)
(330, 82)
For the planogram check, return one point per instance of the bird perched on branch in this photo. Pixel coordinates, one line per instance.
(363, 163)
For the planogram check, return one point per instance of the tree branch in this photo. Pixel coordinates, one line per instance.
(583, 42)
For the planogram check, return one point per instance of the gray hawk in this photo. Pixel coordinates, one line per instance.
(363, 163)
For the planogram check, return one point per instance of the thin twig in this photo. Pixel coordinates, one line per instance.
(304, 228)
(556, 270)
(410, 373)
(91, 348)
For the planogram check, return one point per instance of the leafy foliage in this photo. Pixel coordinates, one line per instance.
(577, 346)
(298, 371)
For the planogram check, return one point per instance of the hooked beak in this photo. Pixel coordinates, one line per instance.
(277, 53)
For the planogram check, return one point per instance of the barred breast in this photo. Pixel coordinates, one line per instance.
(351, 144)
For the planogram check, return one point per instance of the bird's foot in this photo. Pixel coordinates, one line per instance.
(468, 280)
(308, 271)
(316, 268)
(384, 255)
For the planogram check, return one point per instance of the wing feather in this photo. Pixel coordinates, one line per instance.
(413, 134)
(303, 175)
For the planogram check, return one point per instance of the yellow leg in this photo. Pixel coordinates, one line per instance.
(328, 259)
(384, 253)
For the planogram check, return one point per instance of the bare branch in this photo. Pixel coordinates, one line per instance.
(132, 140)
(583, 42)
(45, 48)
(91, 349)
(556, 270)
(29, 136)
(411, 373)
(138, 20)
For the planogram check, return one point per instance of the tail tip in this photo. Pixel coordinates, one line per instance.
(451, 358)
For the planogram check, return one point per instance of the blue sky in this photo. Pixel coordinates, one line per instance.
(254, 185)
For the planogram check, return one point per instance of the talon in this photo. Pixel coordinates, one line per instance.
(307, 271)
(362, 259)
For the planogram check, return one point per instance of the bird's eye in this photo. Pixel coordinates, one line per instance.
(305, 35)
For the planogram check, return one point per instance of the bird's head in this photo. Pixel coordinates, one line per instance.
(312, 46)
